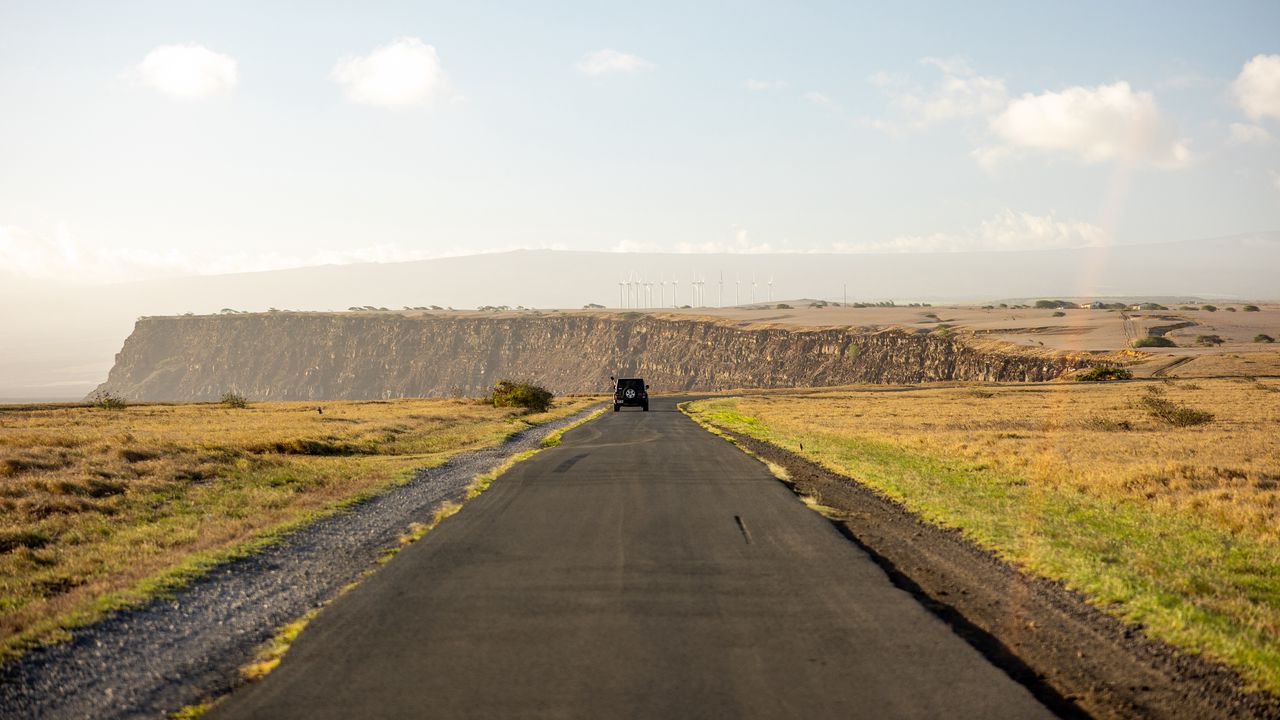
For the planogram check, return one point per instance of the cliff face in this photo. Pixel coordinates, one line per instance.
(300, 356)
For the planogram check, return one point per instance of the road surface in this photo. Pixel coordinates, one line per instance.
(644, 568)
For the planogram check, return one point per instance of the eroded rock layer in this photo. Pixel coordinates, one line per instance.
(312, 356)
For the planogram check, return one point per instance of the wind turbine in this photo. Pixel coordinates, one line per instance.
(720, 299)
(737, 289)
(662, 291)
(753, 288)
(770, 288)
(622, 298)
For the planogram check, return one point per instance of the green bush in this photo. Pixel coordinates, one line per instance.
(1251, 308)
(1209, 308)
(1059, 314)
(1153, 341)
(1173, 413)
(1263, 338)
(105, 400)
(533, 398)
(783, 306)
(1209, 340)
(234, 399)
(1101, 373)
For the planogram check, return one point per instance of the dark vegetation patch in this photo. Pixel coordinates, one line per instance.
(234, 399)
(1172, 413)
(1102, 373)
(525, 395)
(1153, 341)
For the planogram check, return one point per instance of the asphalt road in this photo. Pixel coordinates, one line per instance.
(644, 568)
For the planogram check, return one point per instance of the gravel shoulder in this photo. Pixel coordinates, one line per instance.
(153, 660)
(1076, 659)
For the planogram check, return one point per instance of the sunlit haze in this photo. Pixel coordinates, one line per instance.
(154, 139)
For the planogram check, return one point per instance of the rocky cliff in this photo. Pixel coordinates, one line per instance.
(312, 356)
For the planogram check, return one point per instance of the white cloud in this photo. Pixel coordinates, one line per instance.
(56, 255)
(740, 243)
(817, 98)
(959, 93)
(1008, 230)
(1257, 88)
(608, 62)
(403, 73)
(1105, 123)
(186, 71)
(1246, 134)
(764, 85)
(1275, 179)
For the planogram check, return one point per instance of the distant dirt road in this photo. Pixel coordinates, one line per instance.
(644, 568)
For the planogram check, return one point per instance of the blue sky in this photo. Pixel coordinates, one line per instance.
(324, 132)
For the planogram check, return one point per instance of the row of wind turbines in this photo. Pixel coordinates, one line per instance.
(637, 291)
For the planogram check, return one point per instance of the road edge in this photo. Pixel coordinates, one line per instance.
(1099, 666)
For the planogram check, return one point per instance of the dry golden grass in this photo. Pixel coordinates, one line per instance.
(1074, 435)
(101, 507)
(1176, 528)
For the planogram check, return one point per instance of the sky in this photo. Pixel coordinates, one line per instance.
(158, 139)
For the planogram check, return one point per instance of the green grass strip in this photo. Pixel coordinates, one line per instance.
(1194, 586)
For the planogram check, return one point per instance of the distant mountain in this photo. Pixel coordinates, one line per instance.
(60, 343)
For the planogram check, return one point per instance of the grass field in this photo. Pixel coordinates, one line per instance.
(1175, 527)
(103, 507)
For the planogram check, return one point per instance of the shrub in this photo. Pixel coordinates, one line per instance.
(1231, 309)
(1054, 304)
(1209, 340)
(783, 306)
(11, 540)
(1173, 413)
(1102, 373)
(1059, 314)
(1263, 338)
(1102, 424)
(106, 400)
(533, 398)
(1153, 341)
(1251, 308)
(234, 399)
(1209, 308)
(1152, 306)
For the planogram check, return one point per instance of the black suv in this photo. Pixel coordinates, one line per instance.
(631, 392)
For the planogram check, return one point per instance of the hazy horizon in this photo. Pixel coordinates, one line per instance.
(153, 140)
(164, 158)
